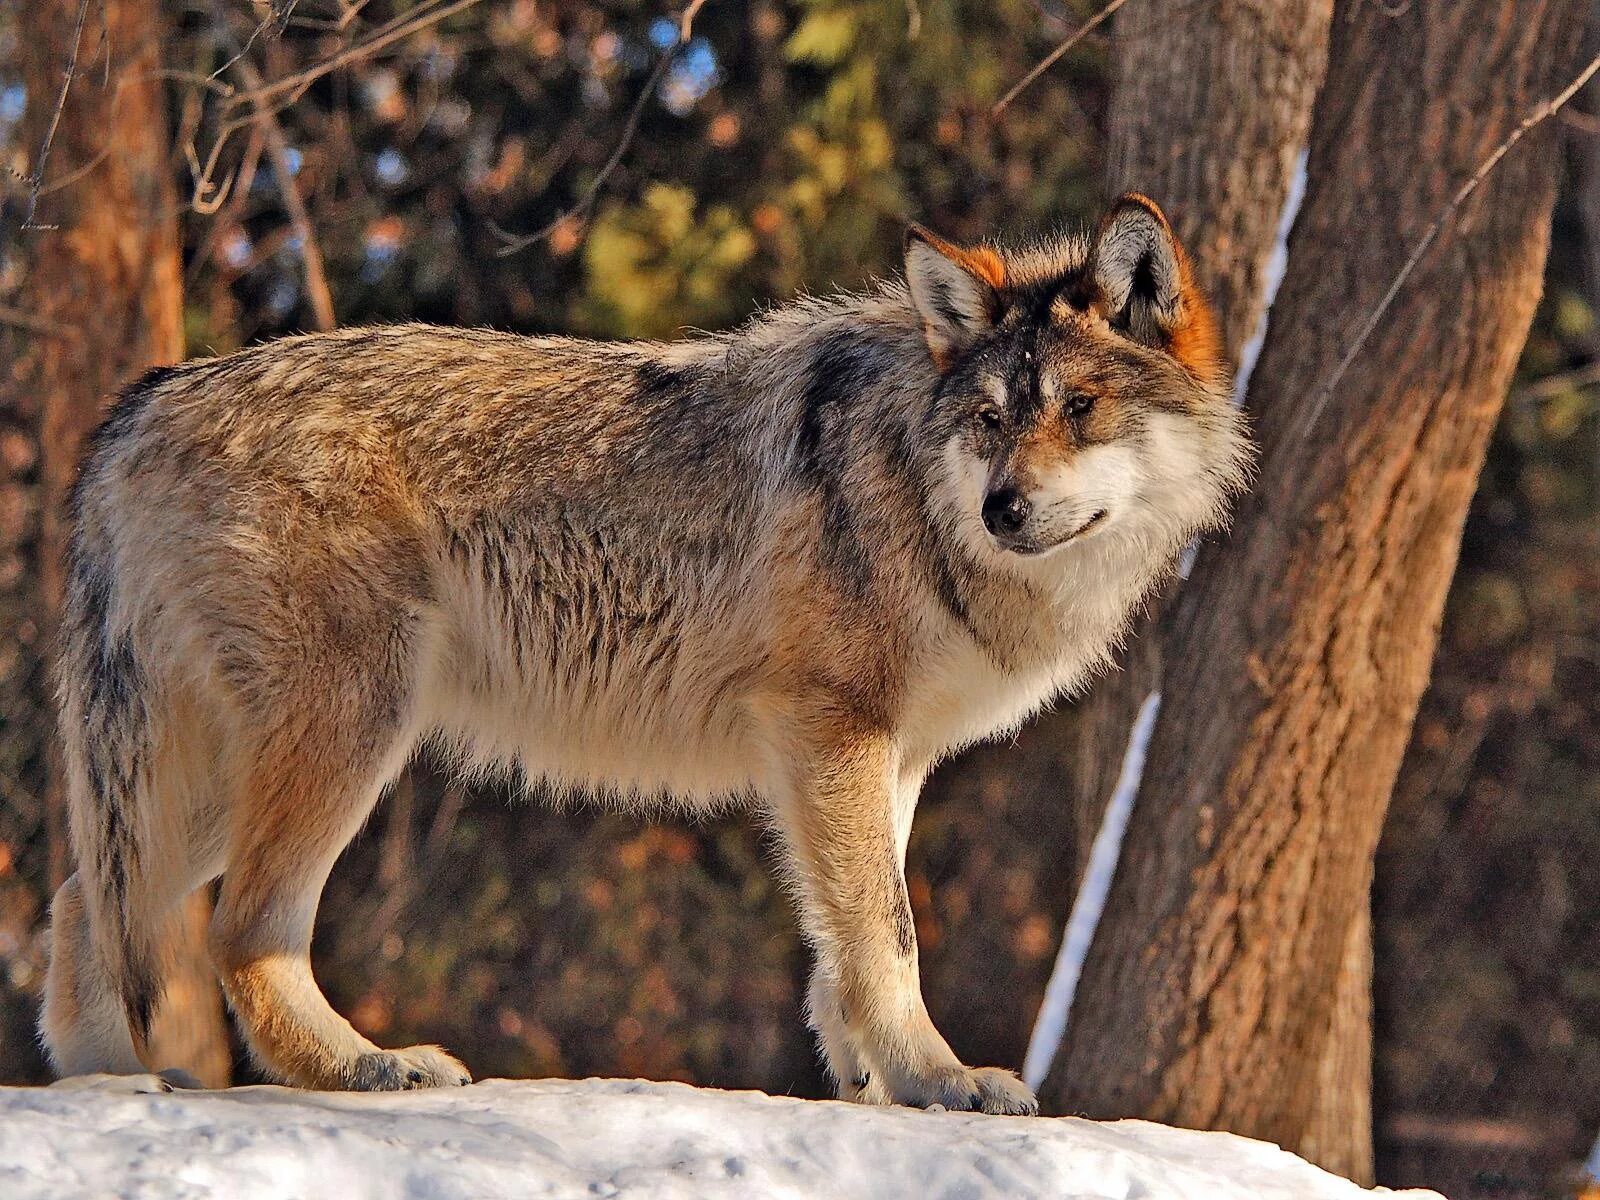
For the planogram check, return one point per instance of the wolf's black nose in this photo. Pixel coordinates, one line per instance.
(1005, 511)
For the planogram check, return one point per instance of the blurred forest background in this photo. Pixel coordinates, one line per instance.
(781, 149)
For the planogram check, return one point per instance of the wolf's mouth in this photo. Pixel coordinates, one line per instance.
(1028, 548)
(1089, 524)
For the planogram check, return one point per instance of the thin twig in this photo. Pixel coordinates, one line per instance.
(36, 180)
(1050, 60)
(277, 17)
(229, 220)
(350, 12)
(208, 82)
(386, 35)
(18, 319)
(686, 22)
(1563, 381)
(513, 243)
(1538, 116)
(293, 202)
(1581, 121)
(1048, 14)
(72, 177)
(291, 87)
(104, 50)
(427, 863)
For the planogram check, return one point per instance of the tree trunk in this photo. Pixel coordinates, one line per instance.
(103, 290)
(1209, 111)
(1301, 645)
(1208, 116)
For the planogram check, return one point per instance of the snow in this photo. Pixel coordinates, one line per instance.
(603, 1138)
(1051, 1023)
(1277, 264)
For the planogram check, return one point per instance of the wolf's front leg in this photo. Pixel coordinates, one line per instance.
(839, 830)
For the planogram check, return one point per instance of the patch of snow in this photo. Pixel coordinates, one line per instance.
(1051, 1023)
(1277, 264)
(604, 1138)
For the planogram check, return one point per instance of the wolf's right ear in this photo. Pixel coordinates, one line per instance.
(957, 291)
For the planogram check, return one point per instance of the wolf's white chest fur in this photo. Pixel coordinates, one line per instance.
(959, 694)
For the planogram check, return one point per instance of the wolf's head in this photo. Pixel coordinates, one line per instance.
(1082, 387)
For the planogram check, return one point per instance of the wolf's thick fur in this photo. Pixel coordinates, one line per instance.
(792, 566)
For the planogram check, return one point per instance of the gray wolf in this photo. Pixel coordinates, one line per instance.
(789, 567)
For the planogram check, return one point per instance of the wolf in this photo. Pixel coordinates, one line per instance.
(789, 567)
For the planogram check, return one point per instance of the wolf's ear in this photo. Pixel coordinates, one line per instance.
(1143, 285)
(955, 290)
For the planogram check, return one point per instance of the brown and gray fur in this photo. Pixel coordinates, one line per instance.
(791, 567)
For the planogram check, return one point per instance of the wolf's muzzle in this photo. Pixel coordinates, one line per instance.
(1005, 512)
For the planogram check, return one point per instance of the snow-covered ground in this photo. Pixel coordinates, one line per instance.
(602, 1138)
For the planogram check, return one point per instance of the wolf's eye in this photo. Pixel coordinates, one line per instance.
(1078, 404)
(989, 418)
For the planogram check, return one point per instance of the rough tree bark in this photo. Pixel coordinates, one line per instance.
(1208, 114)
(102, 290)
(1209, 117)
(1209, 111)
(1301, 645)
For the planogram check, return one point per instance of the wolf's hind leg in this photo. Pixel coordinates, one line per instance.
(83, 1021)
(310, 790)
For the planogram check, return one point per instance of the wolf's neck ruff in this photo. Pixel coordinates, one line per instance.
(792, 565)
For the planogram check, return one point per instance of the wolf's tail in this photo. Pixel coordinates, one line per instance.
(106, 709)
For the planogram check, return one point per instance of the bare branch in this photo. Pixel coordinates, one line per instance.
(686, 22)
(1586, 123)
(18, 319)
(1047, 13)
(72, 177)
(1538, 116)
(1553, 385)
(518, 242)
(36, 179)
(207, 196)
(293, 202)
(425, 14)
(230, 219)
(278, 14)
(209, 82)
(1054, 56)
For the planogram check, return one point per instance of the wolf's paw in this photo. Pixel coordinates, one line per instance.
(1003, 1094)
(407, 1070)
(986, 1090)
(865, 1088)
(129, 1085)
(957, 1089)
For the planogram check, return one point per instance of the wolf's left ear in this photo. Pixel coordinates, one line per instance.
(956, 291)
(1143, 286)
